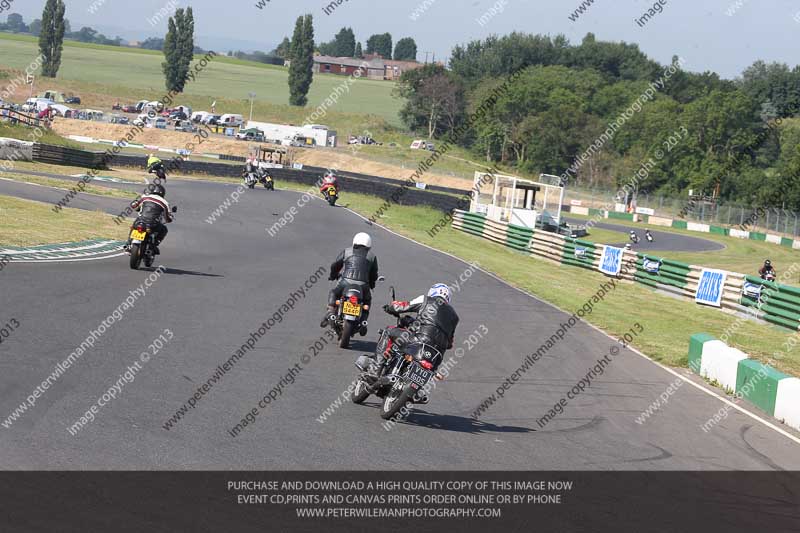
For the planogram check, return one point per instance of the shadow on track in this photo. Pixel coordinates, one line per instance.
(179, 272)
(455, 423)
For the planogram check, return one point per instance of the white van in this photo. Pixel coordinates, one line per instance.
(37, 104)
(200, 116)
(231, 120)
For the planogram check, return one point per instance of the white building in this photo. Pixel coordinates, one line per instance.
(286, 135)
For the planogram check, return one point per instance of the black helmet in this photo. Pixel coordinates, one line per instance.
(767, 263)
(156, 189)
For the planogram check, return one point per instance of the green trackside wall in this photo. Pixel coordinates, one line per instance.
(473, 223)
(780, 303)
(679, 224)
(519, 238)
(591, 253)
(672, 273)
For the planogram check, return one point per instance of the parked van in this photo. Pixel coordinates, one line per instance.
(231, 120)
(156, 122)
(200, 116)
(37, 104)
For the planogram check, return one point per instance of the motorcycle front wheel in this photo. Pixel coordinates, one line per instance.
(396, 400)
(361, 392)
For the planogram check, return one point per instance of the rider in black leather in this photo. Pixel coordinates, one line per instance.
(153, 207)
(355, 266)
(436, 320)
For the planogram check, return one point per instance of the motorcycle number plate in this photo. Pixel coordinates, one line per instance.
(137, 235)
(332, 192)
(419, 376)
(351, 309)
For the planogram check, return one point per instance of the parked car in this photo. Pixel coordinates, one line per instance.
(199, 116)
(212, 120)
(157, 122)
(253, 134)
(177, 114)
(185, 126)
(130, 108)
(72, 100)
(119, 119)
(140, 105)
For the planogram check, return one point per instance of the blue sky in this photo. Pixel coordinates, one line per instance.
(701, 31)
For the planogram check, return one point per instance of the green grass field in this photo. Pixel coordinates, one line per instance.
(136, 74)
(26, 223)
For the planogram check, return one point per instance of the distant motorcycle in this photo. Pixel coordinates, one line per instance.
(330, 194)
(266, 179)
(250, 180)
(648, 236)
(634, 238)
(410, 366)
(143, 243)
(768, 276)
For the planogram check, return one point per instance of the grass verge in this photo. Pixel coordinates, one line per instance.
(67, 184)
(27, 223)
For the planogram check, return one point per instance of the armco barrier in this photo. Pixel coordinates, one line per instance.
(768, 389)
(779, 304)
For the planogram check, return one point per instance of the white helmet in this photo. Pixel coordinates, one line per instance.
(362, 239)
(440, 290)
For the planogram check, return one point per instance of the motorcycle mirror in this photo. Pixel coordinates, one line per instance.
(392, 293)
(381, 279)
(174, 208)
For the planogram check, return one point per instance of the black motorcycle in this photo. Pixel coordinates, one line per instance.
(143, 242)
(408, 368)
(250, 180)
(267, 181)
(634, 238)
(648, 236)
(331, 195)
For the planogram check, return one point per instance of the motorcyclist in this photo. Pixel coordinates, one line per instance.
(633, 236)
(648, 235)
(766, 269)
(329, 180)
(263, 174)
(435, 323)
(354, 266)
(153, 207)
(250, 168)
(156, 166)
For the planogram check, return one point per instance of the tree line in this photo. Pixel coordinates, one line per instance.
(567, 95)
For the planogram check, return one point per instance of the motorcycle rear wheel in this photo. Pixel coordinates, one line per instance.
(347, 332)
(136, 256)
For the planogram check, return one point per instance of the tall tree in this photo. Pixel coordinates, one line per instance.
(282, 50)
(51, 37)
(406, 50)
(178, 49)
(344, 43)
(380, 44)
(301, 69)
(359, 52)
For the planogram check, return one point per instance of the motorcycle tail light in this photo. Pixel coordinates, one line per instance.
(338, 302)
(354, 299)
(140, 228)
(427, 365)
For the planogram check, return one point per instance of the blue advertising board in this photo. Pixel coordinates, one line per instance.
(709, 289)
(611, 261)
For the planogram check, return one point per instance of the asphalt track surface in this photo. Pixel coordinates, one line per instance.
(663, 241)
(223, 280)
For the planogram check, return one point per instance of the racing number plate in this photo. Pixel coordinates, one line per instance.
(137, 235)
(419, 376)
(351, 309)
(331, 192)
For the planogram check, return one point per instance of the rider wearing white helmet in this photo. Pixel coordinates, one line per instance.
(435, 323)
(357, 266)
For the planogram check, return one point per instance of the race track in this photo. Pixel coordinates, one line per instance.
(663, 241)
(223, 280)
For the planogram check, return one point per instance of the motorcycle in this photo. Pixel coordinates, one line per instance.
(331, 195)
(267, 181)
(410, 366)
(250, 180)
(768, 276)
(143, 243)
(348, 318)
(648, 236)
(634, 238)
